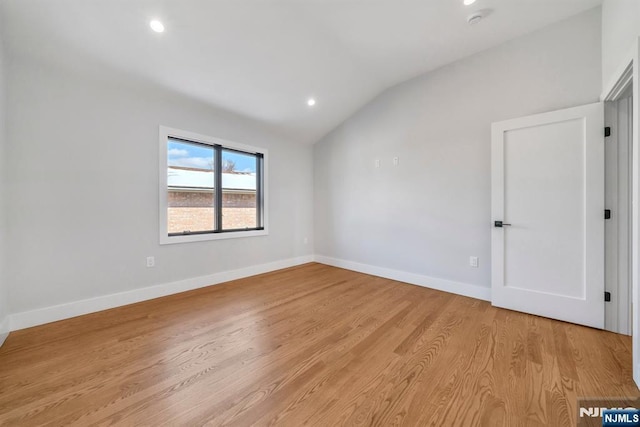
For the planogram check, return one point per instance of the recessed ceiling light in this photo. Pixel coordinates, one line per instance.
(311, 102)
(469, 2)
(156, 26)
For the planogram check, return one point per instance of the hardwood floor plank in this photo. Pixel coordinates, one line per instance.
(309, 345)
(368, 330)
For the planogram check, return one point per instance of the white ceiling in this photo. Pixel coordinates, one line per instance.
(264, 58)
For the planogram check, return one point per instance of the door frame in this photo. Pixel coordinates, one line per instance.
(618, 178)
(629, 71)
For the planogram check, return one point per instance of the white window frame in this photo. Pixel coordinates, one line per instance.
(164, 135)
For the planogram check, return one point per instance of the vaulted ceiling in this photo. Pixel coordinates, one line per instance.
(264, 58)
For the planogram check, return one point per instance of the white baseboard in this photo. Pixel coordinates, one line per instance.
(44, 315)
(459, 288)
(4, 329)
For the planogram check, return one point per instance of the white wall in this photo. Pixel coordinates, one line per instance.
(4, 308)
(82, 196)
(620, 30)
(429, 214)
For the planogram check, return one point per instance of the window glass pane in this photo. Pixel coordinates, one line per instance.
(239, 190)
(190, 192)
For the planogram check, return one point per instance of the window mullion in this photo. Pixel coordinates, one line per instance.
(218, 187)
(259, 191)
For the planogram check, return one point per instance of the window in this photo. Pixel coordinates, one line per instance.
(209, 188)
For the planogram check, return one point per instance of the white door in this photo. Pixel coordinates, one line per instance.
(548, 215)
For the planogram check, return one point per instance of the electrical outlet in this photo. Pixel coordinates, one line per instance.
(151, 261)
(396, 161)
(377, 163)
(473, 261)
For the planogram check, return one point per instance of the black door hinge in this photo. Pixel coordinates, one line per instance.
(607, 131)
(607, 297)
(607, 214)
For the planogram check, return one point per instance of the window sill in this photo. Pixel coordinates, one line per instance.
(168, 240)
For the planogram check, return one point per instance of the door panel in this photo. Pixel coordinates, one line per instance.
(548, 184)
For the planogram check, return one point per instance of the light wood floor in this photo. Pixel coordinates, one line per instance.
(311, 345)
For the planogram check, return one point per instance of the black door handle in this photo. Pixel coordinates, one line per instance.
(500, 224)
